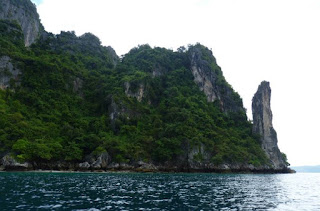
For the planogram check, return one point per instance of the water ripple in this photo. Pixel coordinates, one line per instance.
(103, 191)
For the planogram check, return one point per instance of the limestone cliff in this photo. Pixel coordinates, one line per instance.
(208, 76)
(262, 125)
(25, 13)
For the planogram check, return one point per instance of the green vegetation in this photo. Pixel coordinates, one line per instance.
(284, 156)
(72, 102)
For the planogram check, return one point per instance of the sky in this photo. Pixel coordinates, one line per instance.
(37, 2)
(252, 40)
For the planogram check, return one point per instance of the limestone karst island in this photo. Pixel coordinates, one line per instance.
(69, 103)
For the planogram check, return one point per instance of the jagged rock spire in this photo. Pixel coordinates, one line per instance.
(262, 125)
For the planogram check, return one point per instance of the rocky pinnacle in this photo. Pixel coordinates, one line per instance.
(262, 125)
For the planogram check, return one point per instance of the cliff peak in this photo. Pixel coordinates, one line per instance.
(209, 78)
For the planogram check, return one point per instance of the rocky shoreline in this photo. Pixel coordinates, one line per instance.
(100, 164)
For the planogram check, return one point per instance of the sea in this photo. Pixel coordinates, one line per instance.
(158, 191)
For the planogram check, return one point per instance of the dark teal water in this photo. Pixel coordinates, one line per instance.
(133, 191)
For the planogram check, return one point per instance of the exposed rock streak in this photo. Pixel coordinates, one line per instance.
(8, 73)
(203, 75)
(138, 94)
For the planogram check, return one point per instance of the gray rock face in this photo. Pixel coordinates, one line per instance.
(262, 125)
(143, 166)
(114, 110)
(77, 85)
(26, 14)
(199, 158)
(113, 54)
(204, 77)
(158, 70)
(100, 161)
(208, 76)
(117, 109)
(9, 163)
(8, 72)
(138, 94)
(84, 166)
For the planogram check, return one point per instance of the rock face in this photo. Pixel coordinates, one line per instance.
(138, 94)
(25, 13)
(199, 158)
(8, 73)
(9, 163)
(262, 125)
(208, 76)
(158, 70)
(113, 54)
(97, 162)
(204, 76)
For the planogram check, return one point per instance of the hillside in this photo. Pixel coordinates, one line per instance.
(67, 102)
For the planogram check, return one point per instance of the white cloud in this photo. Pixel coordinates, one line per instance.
(252, 41)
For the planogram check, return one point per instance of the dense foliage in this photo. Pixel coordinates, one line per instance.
(77, 98)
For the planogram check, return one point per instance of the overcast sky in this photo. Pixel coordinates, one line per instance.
(252, 40)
